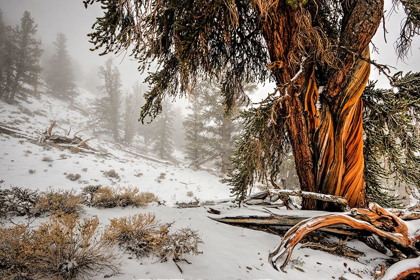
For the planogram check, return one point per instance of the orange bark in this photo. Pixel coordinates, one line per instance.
(327, 140)
(340, 159)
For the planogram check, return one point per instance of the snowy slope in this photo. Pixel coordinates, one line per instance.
(228, 252)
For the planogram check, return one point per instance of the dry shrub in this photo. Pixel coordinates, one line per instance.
(63, 248)
(108, 197)
(73, 177)
(105, 197)
(60, 202)
(16, 252)
(88, 192)
(112, 174)
(183, 242)
(78, 250)
(145, 198)
(47, 159)
(74, 150)
(140, 234)
(133, 197)
(144, 235)
(190, 193)
(18, 201)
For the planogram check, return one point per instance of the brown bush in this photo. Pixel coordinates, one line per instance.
(60, 202)
(78, 250)
(105, 197)
(47, 159)
(63, 248)
(108, 197)
(73, 177)
(112, 174)
(140, 234)
(15, 252)
(74, 150)
(143, 235)
(132, 197)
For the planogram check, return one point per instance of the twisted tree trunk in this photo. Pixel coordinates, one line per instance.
(325, 128)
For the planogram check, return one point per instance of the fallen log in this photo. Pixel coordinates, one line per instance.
(284, 196)
(277, 221)
(48, 136)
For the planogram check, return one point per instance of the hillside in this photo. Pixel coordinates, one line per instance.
(227, 252)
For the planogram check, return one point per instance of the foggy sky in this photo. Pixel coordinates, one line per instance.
(71, 18)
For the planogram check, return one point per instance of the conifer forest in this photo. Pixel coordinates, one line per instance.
(234, 139)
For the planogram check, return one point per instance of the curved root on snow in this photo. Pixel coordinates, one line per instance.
(375, 220)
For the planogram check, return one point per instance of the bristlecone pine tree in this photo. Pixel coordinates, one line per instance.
(317, 52)
(60, 75)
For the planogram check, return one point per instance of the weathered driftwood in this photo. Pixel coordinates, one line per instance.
(318, 196)
(277, 221)
(406, 269)
(375, 220)
(406, 215)
(48, 136)
(272, 196)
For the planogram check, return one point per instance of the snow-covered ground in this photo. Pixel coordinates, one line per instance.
(227, 253)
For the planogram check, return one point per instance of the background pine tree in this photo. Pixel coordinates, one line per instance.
(22, 53)
(221, 129)
(163, 144)
(133, 102)
(196, 141)
(108, 108)
(60, 76)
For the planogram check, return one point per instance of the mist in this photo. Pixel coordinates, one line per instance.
(72, 19)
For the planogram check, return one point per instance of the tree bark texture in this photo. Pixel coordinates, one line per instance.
(325, 128)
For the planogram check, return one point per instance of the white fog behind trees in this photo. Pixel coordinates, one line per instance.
(68, 63)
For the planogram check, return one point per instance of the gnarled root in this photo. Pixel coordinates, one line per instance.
(403, 269)
(375, 220)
